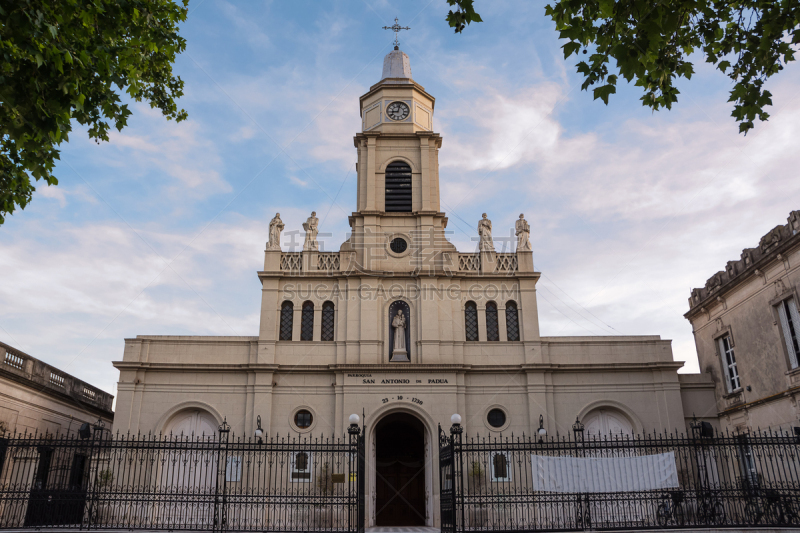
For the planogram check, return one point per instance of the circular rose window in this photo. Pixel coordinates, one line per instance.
(398, 245)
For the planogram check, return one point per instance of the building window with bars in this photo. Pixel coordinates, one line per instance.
(492, 330)
(729, 363)
(328, 312)
(287, 319)
(512, 321)
(302, 465)
(307, 322)
(500, 470)
(790, 322)
(471, 321)
(398, 187)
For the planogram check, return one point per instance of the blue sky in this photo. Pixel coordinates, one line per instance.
(162, 230)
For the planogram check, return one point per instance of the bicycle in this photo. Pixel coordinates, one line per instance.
(774, 508)
(710, 509)
(670, 511)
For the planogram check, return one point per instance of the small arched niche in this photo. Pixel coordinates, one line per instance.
(394, 308)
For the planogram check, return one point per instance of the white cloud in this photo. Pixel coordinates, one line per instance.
(182, 151)
(300, 183)
(53, 192)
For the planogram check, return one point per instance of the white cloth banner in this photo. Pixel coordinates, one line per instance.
(604, 474)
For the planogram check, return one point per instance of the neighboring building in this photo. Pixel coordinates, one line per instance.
(400, 324)
(37, 398)
(746, 328)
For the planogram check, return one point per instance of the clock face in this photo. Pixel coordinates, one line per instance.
(397, 111)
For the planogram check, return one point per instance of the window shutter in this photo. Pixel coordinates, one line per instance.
(725, 369)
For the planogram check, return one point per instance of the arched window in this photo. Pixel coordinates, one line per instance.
(327, 321)
(287, 313)
(307, 322)
(512, 321)
(471, 321)
(492, 331)
(398, 187)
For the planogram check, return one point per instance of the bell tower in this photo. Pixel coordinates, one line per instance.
(398, 173)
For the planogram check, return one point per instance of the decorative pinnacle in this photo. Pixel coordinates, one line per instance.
(396, 27)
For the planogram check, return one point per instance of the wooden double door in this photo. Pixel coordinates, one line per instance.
(400, 471)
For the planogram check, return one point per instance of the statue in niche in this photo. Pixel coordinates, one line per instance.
(275, 228)
(523, 232)
(312, 229)
(399, 351)
(485, 233)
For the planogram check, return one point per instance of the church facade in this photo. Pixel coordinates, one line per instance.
(400, 326)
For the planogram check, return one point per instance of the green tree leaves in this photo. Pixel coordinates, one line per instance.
(461, 17)
(650, 42)
(68, 59)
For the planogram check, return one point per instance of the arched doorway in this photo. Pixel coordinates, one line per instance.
(400, 471)
(188, 467)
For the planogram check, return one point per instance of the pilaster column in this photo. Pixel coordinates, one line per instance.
(370, 174)
(425, 189)
(317, 322)
(501, 322)
(481, 322)
(297, 316)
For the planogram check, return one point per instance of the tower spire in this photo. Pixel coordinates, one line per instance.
(396, 27)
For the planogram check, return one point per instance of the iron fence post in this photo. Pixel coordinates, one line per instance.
(357, 451)
(219, 506)
(455, 431)
(97, 433)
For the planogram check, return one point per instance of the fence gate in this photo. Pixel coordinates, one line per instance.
(447, 493)
(206, 483)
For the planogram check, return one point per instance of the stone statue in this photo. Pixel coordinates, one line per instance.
(399, 352)
(275, 228)
(523, 232)
(485, 232)
(312, 229)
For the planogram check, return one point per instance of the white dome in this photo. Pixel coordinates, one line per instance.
(396, 65)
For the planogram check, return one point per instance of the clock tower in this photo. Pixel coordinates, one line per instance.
(398, 209)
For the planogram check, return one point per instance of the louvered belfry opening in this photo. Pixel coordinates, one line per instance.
(398, 187)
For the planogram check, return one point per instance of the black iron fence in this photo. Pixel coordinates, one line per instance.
(215, 482)
(580, 482)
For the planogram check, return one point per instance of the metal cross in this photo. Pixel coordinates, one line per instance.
(396, 27)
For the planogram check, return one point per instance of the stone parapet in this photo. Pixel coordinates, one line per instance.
(21, 367)
(772, 246)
